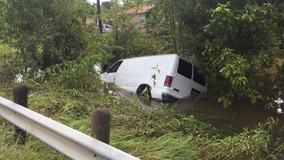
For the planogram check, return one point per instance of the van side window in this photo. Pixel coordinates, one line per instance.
(184, 68)
(198, 78)
(115, 67)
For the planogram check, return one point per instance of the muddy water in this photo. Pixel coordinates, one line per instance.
(240, 115)
(148, 105)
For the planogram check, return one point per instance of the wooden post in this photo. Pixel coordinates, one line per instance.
(101, 124)
(20, 95)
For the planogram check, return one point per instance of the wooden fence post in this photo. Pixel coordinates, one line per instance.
(101, 124)
(20, 95)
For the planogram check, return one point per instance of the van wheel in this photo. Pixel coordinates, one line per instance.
(144, 91)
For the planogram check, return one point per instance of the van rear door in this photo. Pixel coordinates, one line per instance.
(182, 82)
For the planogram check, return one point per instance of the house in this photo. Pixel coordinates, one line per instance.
(94, 19)
(140, 15)
(106, 27)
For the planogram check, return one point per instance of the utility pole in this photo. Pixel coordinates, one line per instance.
(116, 37)
(85, 19)
(99, 15)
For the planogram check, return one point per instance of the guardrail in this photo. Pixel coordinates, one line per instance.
(64, 139)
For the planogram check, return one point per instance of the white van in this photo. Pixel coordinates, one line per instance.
(178, 77)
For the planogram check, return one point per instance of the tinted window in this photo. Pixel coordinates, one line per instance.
(184, 68)
(197, 77)
(115, 67)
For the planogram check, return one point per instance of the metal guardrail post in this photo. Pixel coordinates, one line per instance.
(101, 124)
(20, 95)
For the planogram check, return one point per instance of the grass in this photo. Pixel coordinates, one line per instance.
(33, 149)
(168, 146)
(147, 135)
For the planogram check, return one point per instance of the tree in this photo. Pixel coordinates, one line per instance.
(45, 32)
(106, 4)
(235, 43)
(183, 20)
(244, 45)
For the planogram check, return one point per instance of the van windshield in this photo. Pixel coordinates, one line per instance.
(184, 68)
(115, 67)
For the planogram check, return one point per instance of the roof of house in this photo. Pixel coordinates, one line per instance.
(89, 20)
(142, 9)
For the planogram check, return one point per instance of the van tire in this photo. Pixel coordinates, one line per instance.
(146, 94)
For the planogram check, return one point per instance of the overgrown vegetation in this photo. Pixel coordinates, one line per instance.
(147, 135)
(237, 44)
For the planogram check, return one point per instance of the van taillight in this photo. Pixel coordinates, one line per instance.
(168, 81)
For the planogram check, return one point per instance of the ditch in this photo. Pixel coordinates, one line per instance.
(241, 114)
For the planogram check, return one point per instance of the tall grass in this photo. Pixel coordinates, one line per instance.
(147, 135)
(33, 149)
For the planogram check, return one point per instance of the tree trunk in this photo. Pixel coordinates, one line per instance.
(172, 24)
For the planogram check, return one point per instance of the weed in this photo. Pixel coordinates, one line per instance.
(147, 135)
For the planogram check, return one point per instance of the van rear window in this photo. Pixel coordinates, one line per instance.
(198, 78)
(184, 68)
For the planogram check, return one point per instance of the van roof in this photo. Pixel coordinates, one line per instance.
(161, 55)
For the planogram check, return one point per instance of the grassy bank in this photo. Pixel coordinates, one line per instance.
(147, 135)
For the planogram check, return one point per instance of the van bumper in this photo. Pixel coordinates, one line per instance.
(168, 98)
